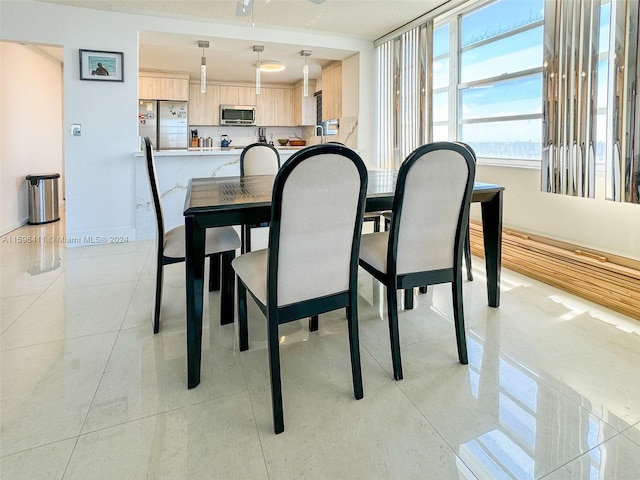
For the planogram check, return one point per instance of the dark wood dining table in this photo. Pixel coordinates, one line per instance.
(222, 201)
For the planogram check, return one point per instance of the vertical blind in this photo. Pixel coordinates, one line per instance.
(569, 97)
(404, 107)
(623, 163)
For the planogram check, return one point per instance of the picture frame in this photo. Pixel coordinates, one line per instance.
(101, 66)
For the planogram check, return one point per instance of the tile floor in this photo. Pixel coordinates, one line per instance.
(552, 389)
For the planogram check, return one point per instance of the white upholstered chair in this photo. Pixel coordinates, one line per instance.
(257, 159)
(425, 241)
(220, 245)
(306, 270)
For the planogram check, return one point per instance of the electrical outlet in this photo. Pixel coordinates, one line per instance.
(76, 129)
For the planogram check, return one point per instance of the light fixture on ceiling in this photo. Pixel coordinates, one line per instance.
(203, 66)
(258, 49)
(271, 66)
(305, 73)
(244, 8)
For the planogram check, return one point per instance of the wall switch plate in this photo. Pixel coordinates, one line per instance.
(75, 129)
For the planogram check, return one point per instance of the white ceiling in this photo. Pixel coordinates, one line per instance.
(234, 60)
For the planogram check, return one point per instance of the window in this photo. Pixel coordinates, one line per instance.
(485, 83)
(493, 97)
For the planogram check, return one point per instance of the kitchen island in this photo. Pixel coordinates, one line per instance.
(174, 169)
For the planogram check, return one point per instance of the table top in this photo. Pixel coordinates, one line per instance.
(228, 193)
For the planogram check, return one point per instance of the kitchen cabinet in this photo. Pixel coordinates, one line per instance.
(163, 86)
(332, 91)
(237, 95)
(275, 107)
(304, 108)
(204, 108)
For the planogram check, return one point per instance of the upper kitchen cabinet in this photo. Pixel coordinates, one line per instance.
(304, 108)
(163, 86)
(204, 108)
(237, 95)
(275, 107)
(332, 91)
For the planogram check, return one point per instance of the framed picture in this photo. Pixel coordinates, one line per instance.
(101, 66)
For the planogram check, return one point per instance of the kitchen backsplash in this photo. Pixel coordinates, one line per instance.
(242, 136)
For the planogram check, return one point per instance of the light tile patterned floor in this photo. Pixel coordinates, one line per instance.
(552, 389)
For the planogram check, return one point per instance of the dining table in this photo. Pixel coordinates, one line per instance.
(223, 201)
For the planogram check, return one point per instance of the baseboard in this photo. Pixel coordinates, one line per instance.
(605, 279)
(10, 228)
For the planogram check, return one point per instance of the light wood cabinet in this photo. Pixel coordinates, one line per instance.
(304, 108)
(237, 95)
(281, 106)
(275, 107)
(247, 96)
(163, 86)
(204, 108)
(332, 91)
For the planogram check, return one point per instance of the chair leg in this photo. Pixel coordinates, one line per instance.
(354, 347)
(274, 370)
(227, 290)
(467, 255)
(458, 316)
(158, 302)
(243, 329)
(245, 246)
(214, 272)
(376, 224)
(313, 323)
(394, 336)
(408, 299)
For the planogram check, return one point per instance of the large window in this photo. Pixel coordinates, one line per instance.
(491, 58)
(484, 87)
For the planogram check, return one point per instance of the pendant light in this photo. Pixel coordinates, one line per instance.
(305, 73)
(258, 49)
(203, 66)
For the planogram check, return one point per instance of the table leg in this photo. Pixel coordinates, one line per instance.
(227, 293)
(194, 246)
(492, 232)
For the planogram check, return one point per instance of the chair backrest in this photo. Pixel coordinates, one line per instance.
(431, 208)
(259, 159)
(316, 222)
(153, 183)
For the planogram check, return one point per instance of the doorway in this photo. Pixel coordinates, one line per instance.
(31, 136)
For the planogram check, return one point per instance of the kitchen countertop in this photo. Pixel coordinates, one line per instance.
(192, 151)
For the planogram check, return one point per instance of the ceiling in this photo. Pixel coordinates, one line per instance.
(234, 60)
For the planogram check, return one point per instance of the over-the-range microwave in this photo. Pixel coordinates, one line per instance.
(237, 114)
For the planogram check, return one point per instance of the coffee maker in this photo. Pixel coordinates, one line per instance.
(261, 135)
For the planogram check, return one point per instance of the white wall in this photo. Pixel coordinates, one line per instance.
(596, 223)
(31, 126)
(99, 165)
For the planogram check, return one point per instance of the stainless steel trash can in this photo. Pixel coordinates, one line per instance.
(43, 198)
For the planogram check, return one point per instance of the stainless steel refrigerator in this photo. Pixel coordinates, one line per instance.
(147, 120)
(173, 125)
(166, 123)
